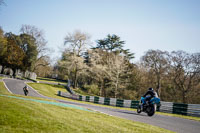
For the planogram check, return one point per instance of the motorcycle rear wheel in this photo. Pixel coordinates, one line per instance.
(151, 110)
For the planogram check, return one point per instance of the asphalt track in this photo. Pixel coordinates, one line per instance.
(175, 124)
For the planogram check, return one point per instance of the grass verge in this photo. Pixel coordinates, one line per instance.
(27, 116)
(51, 91)
(50, 80)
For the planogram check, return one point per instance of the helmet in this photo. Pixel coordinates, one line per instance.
(150, 89)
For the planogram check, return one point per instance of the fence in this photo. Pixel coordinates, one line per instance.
(167, 107)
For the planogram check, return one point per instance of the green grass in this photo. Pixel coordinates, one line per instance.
(47, 89)
(50, 80)
(3, 90)
(18, 116)
(1, 77)
(81, 92)
(51, 91)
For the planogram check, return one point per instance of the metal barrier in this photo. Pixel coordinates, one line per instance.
(167, 107)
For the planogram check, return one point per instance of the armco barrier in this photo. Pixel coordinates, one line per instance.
(180, 108)
(167, 107)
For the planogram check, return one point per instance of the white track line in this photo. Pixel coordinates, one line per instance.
(6, 86)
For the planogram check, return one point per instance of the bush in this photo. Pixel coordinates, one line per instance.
(92, 89)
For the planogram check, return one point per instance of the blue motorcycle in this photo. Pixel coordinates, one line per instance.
(149, 107)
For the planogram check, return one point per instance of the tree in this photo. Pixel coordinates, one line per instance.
(111, 43)
(114, 44)
(110, 55)
(41, 45)
(117, 69)
(44, 70)
(21, 52)
(185, 70)
(28, 45)
(14, 54)
(156, 61)
(72, 65)
(97, 68)
(77, 43)
(3, 48)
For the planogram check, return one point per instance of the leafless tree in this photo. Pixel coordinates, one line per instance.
(156, 61)
(77, 43)
(73, 66)
(185, 70)
(97, 66)
(117, 67)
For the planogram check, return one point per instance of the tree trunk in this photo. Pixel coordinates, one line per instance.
(158, 86)
(2, 69)
(75, 78)
(183, 96)
(116, 86)
(14, 73)
(102, 88)
(116, 90)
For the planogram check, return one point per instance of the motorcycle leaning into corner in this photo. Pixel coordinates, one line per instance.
(149, 107)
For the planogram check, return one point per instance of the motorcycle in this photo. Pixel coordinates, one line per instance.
(149, 107)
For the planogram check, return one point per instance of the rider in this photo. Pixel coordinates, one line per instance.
(149, 95)
(25, 90)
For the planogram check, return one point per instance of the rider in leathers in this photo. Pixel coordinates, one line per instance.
(149, 95)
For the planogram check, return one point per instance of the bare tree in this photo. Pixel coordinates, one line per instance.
(73, 66)
(77, 43)
(157, 62)
(97, 66)
(185, 70)
(117, 67)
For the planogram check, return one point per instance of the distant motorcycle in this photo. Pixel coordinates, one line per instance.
(25, 89)
(149, 107)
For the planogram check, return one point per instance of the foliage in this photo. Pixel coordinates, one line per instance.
(42, 61)
(3, 49)
(17, 51)
(14, 56)
(28, 45)
(175, 76)
(42, 67)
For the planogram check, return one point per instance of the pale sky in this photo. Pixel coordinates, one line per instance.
(143, 24)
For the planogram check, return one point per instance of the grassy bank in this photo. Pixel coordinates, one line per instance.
(51, 80)
(18, 115)
(51, 91)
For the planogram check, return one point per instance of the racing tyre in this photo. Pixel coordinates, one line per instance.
(151, 110)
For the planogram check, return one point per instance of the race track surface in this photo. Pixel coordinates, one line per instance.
(176, 124)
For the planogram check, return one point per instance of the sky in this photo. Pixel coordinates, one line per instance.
(143, 24)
